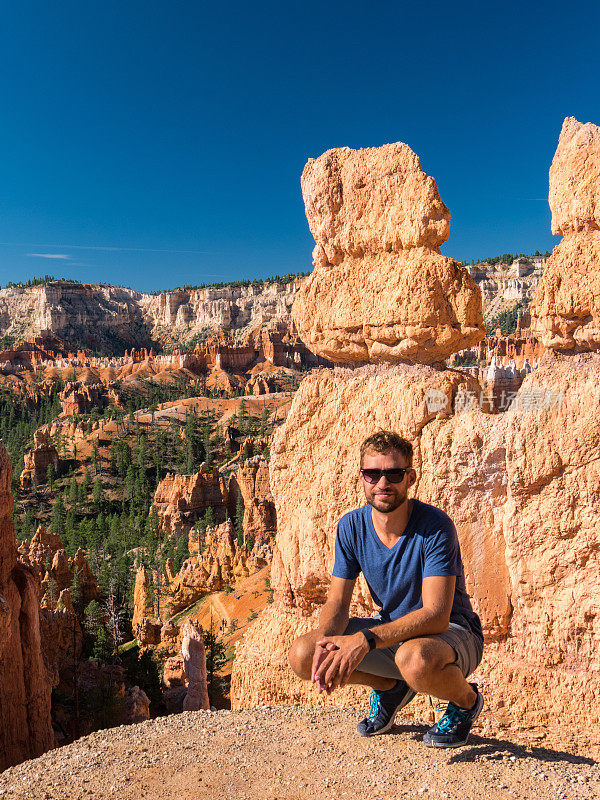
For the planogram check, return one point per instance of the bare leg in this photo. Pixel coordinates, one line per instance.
(427, 665)
(301, 655)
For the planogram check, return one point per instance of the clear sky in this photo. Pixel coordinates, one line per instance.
(154, 144)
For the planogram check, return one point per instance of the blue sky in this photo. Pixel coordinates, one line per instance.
(154, 144)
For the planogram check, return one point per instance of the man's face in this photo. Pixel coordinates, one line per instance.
(383, 495)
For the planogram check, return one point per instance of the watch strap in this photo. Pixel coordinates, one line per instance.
(370, 637)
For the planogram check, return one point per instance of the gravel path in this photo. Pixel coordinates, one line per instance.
(292, 753)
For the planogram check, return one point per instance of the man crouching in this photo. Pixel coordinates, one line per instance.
(426, 637)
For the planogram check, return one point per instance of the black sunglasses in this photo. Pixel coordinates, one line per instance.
(394, 475)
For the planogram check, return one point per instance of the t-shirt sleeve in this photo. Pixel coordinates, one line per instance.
(346, 564)
(442, 553)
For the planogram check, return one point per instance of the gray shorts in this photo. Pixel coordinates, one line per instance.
(467, 646)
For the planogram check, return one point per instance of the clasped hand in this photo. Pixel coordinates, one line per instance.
(335, 659)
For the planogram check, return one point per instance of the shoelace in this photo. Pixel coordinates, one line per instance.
(374, 707)
(452, 717)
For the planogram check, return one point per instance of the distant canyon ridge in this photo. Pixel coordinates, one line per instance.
(111, 319)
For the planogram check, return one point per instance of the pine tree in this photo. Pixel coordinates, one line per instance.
(239, 519)
(73, 491)
(215, 658)
(98, 495)
(77, 591)
(87, 482)
(52, 591)
(102, 650)
(182, 552)
(130, 481)
(50, 476)
(95, 457)
(69, 537)
(57, 524)
(93, 617)
(115, 616)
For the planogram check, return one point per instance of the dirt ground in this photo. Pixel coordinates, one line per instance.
(248, 597)
(292, 753)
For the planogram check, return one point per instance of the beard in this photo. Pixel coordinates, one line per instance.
(386, 504)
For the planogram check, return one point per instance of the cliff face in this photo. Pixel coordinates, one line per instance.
(25, 728)
(522, 489)
(105, 318)
(177, 316)
(111, 319)
(181, 499)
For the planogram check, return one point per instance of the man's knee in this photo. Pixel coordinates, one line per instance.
(300, 656)
(417, 660)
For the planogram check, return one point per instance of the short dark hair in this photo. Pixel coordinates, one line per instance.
(384, 441)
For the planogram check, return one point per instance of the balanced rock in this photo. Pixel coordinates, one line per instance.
(565, 311)
(381, 290)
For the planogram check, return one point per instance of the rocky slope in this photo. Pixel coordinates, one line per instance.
(522, 488)
(293, 754)
(111, 319)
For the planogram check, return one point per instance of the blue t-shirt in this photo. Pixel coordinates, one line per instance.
(429, 546)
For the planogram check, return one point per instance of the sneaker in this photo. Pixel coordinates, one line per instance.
(453, 728)
(384, 707)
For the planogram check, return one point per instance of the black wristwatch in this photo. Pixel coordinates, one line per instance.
(370, 637)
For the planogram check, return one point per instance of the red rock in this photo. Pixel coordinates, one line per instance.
(25, 727)
(181, 499)
(35, 471)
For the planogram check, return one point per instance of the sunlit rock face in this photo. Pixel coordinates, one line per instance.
(381, 290)
(522, 488)
(565, 311)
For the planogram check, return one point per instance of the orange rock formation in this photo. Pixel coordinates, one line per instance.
(566, 307)
(523, 490)
(223, 561)
(260, 519)
(194, 663)
(380, 289)
(181, 499)
(35, 471)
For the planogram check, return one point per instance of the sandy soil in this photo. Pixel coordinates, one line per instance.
(292, 753)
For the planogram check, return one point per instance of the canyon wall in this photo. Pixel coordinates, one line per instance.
(521, 487)
(176, 316)
(111, 319)
(25, 729)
